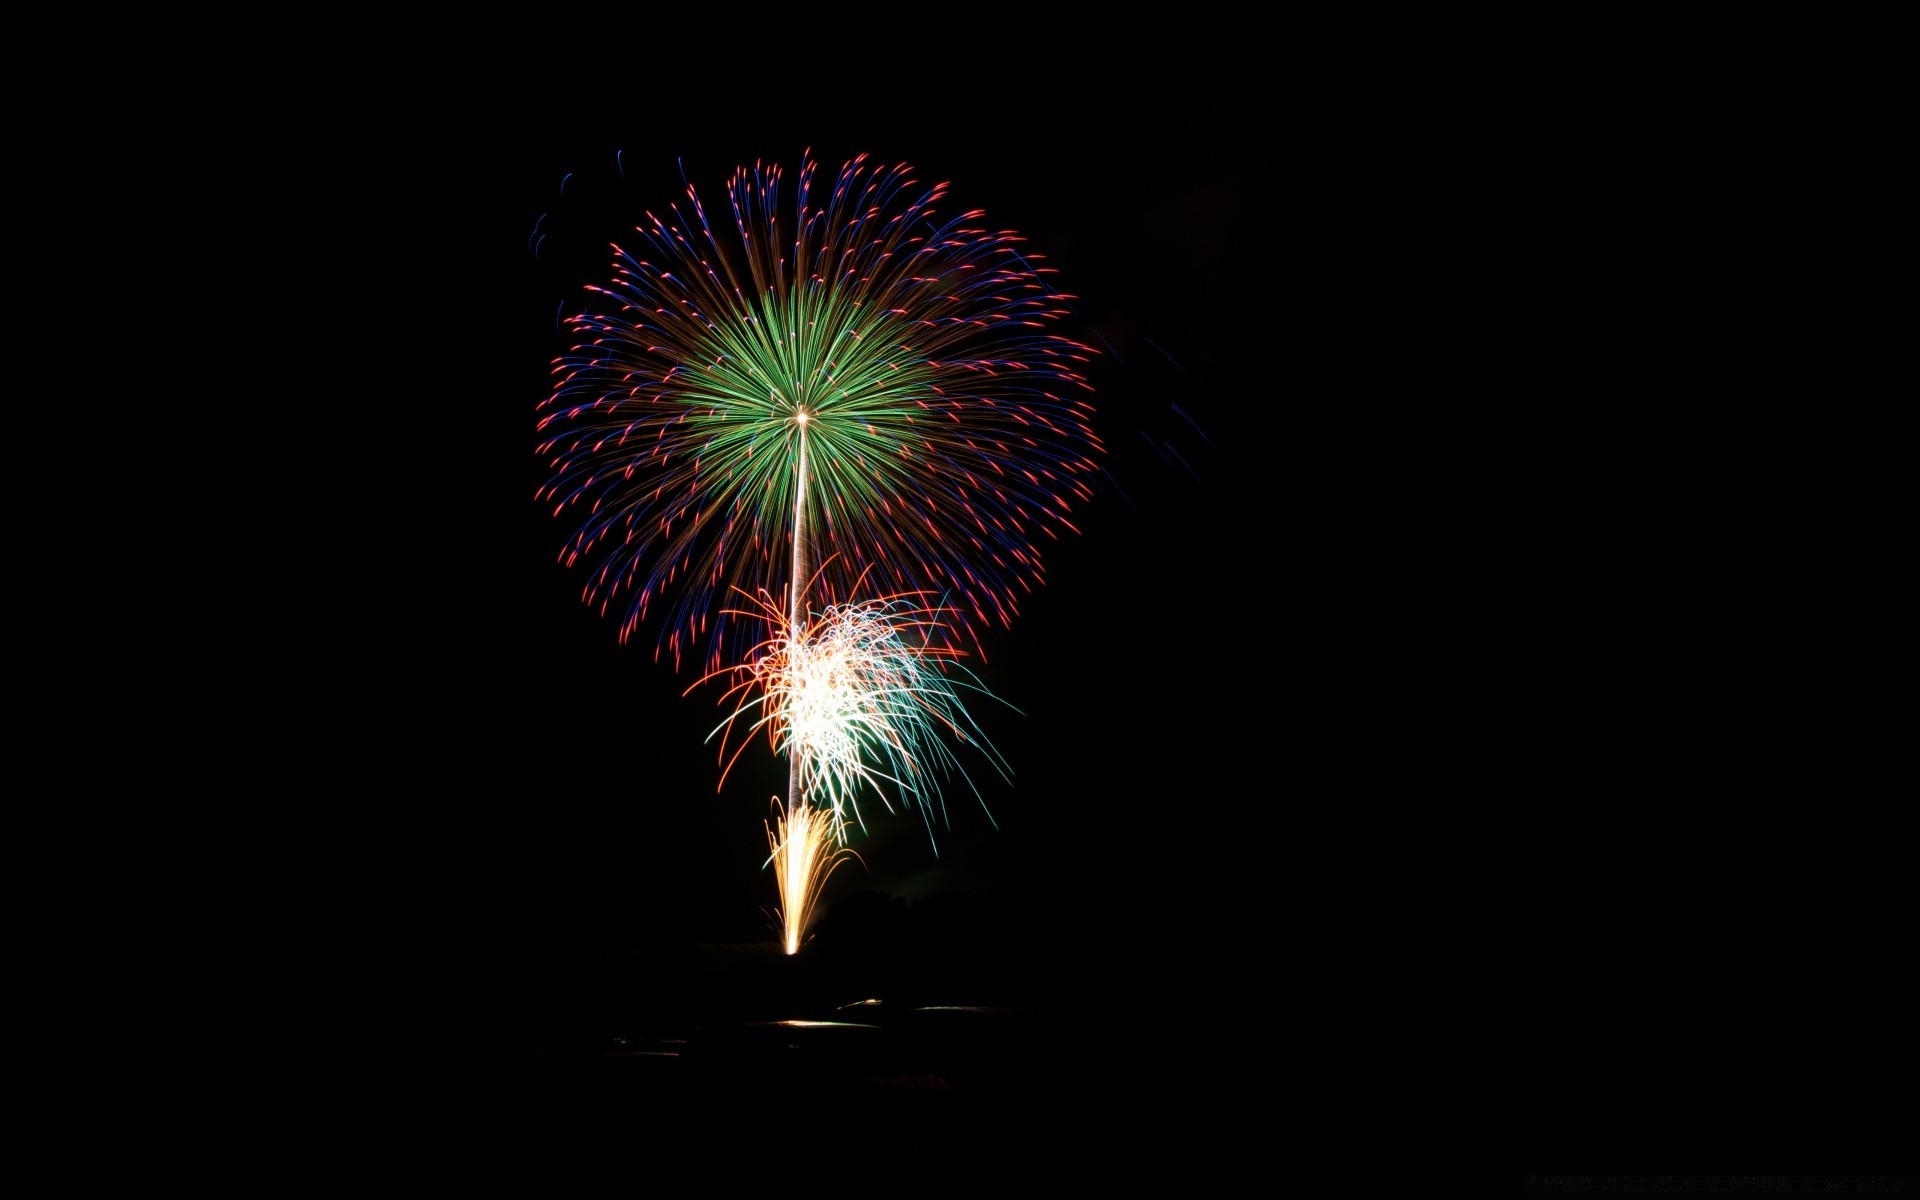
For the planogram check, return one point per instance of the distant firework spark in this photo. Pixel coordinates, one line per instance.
(946, 427)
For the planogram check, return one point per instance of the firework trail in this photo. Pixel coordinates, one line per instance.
(903, 355)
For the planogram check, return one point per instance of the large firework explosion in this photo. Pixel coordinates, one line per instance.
(946, 425)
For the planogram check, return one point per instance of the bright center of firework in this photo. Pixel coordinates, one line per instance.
(801, 416)
(827, 696)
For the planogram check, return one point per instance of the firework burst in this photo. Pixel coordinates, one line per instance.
(857, 368)
(862, 699)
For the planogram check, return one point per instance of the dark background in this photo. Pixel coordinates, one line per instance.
(1387, 744)
(1209, 687)
(1217, 644)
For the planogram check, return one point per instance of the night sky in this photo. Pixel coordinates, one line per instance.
(1363, 606)
(560, 793)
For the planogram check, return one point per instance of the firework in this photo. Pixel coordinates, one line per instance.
(857, 378)
(804, 855)
(857, 369)
(862, 699)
